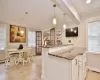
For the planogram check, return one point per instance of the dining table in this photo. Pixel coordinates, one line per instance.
(19, 52)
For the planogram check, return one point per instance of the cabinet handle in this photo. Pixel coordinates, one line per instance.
(76, 61)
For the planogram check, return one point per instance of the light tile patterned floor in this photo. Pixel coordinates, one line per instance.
(32, 72)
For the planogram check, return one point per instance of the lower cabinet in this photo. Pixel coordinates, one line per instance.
(55, 68)
(75, 74)
(79, 67)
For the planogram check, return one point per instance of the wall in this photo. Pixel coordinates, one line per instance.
(79, 41)
(93, 61)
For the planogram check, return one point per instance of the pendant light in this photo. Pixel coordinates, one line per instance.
(64, 25)
(54, 19)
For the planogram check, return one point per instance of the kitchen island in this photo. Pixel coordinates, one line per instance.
(63, 63)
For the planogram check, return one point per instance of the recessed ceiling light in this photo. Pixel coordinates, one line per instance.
(88, 1)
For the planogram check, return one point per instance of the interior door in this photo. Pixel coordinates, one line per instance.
(52, 36)
(38, 42)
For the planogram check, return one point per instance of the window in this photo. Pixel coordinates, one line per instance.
(94, 36)
(2, 37)
(31, 38)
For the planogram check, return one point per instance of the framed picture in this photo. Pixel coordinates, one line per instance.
(17, 34)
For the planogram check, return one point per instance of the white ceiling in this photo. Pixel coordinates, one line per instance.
(40, 13)
(86, 10)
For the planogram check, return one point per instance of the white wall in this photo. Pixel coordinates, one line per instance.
(93, 61)
(79, 41)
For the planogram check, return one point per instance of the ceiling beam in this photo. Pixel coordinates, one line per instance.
(68, 8)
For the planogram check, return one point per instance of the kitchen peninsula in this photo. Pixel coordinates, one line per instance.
(63, 63)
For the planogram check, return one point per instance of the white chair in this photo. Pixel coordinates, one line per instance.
(7, 57)
(11, 58)
(30, 53)
(26, 55)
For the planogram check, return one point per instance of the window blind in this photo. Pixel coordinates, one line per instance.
(94, 37)
(2, 37)
(31, 38)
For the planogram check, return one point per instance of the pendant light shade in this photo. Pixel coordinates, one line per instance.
(64, 25)
(54, 19)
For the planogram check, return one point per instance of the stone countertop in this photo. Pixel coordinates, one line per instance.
(70, 55)
(56, 46)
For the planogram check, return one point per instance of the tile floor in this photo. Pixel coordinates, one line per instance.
(32, 72)
(27, 72)
(93, 76)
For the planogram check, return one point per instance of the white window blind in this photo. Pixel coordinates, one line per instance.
(31, 38)
(94, 37)
(2, 37)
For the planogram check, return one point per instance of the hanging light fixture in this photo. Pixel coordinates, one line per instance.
(54, 19)
(64, 25)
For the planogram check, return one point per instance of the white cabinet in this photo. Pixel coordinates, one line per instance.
(82, 66)
(79, 67)
(75, 68)
(57, 68)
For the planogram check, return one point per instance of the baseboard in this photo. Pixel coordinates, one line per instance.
(93, 69)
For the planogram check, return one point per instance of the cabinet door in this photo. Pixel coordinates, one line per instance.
(75, 69)
(84, 66)
(80, 66)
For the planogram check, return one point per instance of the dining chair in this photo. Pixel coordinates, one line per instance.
(11, 58)
(26, 55)
(14, 59)
(30, 53)
(7, 57)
